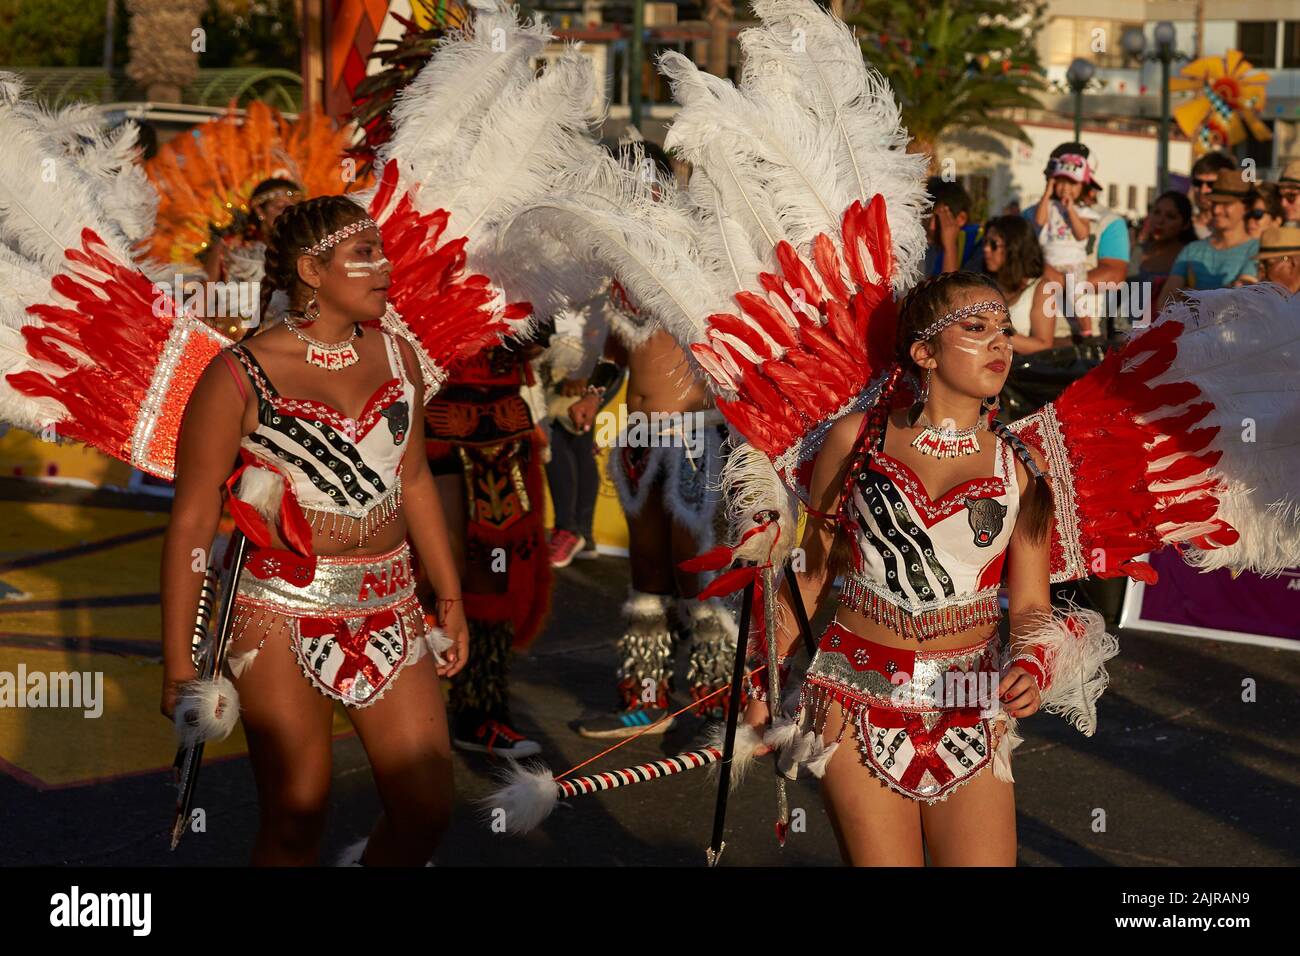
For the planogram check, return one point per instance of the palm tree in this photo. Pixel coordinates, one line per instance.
(955, 64)
(161, 40)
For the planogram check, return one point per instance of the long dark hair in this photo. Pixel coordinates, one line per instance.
(1184, 207)
(299, 227)
(924, 305)
(1024, 256)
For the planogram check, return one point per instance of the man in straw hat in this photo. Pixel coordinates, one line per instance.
(1288, 188)
(1229, 253)
(1279, 257)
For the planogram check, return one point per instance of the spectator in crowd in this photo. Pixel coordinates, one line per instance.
(1229, 253)
(1166, 229)
(1279, 257)
(1014, 259)
(954, 239)
(571, 472)
(1108, 236)
(1266, 213)
(1288, 192)
(1205, 172)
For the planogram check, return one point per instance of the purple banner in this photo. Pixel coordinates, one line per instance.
(1248, 604)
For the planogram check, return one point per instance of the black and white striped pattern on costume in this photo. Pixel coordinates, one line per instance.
(912, 570)
(335, 464)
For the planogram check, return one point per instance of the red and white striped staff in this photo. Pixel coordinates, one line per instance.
(528, 795)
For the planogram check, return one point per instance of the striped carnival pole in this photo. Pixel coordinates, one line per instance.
(570, 787)
(528, 795)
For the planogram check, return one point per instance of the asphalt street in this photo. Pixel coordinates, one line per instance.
(1182, 771)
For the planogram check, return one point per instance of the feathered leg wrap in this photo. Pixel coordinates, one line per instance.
(645, 649)
(1073, 648)
(712, 651)
(206, 710)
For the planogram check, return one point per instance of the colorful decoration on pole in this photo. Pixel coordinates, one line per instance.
(1230, 102)
(528, 795)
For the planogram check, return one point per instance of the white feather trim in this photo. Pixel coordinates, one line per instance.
(262, 489)
(641, 606)
(751, 485)
(1241, 348)
(240, 663)
(1011, 739)
(435, 642)
(742, 759)
(527, 796)
(1076, 648)
(798, 748)
(206, 710)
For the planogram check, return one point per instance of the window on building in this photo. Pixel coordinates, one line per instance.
(1132, 198)
(1257, 41)
(1151, 197)
(1112, 195)
(1291, 45)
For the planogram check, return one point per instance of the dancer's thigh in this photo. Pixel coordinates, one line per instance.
(406, 738)
(287, 723)
(874, 825)
(975, 826)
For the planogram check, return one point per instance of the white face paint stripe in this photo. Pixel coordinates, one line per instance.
(364, 268)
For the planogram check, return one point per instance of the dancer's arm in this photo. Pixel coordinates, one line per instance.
(427, 526)
(1029, 595)
(205, 452)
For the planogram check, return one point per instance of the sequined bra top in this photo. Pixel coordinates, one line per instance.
(924, 566)
(346, 472)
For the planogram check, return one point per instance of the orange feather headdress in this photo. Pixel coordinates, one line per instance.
(205, 178)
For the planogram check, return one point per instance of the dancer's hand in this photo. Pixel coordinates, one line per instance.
(583, 412)
(949, 228)
(171, 690)
(1018, 692)
(757, 716)
(456, 628)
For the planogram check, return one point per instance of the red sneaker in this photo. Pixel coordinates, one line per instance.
(564, 546)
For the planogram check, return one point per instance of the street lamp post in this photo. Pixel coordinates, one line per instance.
(1078, 76)
(1135, 44)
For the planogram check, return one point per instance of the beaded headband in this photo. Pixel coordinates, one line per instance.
(271, 195)
(338, 235)
(936, 327)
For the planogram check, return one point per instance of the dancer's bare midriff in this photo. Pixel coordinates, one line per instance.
(660, 378)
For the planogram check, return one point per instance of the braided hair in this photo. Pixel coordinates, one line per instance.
(927, 302)
(299, 227)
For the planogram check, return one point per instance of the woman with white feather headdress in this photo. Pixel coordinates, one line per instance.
(330, 474)
(875, 419)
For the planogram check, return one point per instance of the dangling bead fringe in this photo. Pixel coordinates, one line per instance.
(341, 527)
(932, 623)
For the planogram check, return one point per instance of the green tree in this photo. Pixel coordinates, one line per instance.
(955, 64)
(52, 32)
